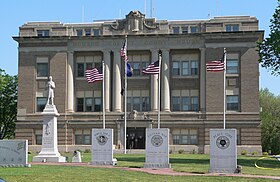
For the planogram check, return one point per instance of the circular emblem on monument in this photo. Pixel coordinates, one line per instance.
(222, 142)
(157, 140)
(102, 139)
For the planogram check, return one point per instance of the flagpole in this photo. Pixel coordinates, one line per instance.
(159, 75)
(103, 98)
(225, 67)
(125, 99)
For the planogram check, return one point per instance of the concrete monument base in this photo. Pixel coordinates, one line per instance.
(157, 148)
(49, 151)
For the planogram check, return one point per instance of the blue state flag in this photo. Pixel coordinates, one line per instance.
(128, 70)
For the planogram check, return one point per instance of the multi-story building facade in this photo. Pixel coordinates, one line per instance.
(191, 98)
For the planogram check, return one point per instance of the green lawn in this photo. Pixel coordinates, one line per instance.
(195, 163)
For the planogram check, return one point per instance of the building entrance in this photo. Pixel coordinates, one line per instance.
(136, 138)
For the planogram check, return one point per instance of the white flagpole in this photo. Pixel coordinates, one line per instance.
(159, 75)
(125, 98)
(103, 98)
(225, 67)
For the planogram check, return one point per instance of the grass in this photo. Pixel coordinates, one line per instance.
(195, 163)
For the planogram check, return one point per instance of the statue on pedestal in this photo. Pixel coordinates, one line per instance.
(50, 87)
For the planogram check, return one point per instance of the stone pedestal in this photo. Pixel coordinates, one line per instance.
(157, 148)
(223, 151)
(49, 151)
(77, 157)
(102, 147)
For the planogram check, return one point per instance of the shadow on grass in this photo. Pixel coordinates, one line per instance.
(189, 161)
(267, 163)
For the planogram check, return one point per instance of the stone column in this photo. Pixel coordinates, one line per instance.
(106, 92)
(117, 82)
(154, 84)
(165, 90)
(70, 82)
(202, 82)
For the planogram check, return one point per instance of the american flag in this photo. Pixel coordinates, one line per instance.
(215, 66)
(94, 75)
(123, 51)
(152, 68)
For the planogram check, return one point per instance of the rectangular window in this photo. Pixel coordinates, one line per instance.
(97, 104)
(88, 32)
(136, 103)
(43, 33)
(185, 100)
(185, 69)
(41, 103)
(184, 30)
(232, 28)
(82, 137)
(232, 66)
(42, 69)
(80, 70)
(96, 32)
(194, 68)
(145, 104)
(88, 104)
(80, 104)
(185, 137)
(128, 102)
(136, 68)
(138, 100)
(79, 32)
(176, 68)
(176, 30)
(232, 102)
(176, 103)
(38, 137)
(194, 29)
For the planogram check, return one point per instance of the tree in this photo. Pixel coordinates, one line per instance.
(8, 104)
(270, 117)
(269, 48)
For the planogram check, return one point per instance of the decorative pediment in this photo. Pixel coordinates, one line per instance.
(135, 22)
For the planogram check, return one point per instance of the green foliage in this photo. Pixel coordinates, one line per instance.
(265, 153)
(270, 125)
(244, 152)
(87, 151)
(269, 49)
(181, 151)
(254, 153)
(8, 104)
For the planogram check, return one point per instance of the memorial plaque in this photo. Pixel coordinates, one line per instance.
(13, 153)
(223, 151)
(102, 147)
(157, 148)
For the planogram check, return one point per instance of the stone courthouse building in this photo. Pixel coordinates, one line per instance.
(191, 98)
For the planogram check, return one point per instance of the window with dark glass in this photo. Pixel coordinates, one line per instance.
(42, 69)
(176, 103)
(41, 102)
(43, 33)
(138, 103)
(136, 68)
(176, 30)
(80, 70)
(38, 138)
(184, 30)
(185, 68)
(176, 68)
(194, 103)
(97, 104)
(89, 104)
(96, 32)
(194, 68)
(82, 137)
(80, 104)
(87, 32)
(185, 137)
(194, 29)
(232, 102)
(232, 66)
(79, 32)
(232, 28)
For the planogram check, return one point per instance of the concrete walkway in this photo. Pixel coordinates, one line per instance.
(163, 171)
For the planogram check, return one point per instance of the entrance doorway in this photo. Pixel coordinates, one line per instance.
(136, 138)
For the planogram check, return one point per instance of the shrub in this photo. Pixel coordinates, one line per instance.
(244, 152)
(181, 151)
(265, 153)
(87, 151)
(254, 153)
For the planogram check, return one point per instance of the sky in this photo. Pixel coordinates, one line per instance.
(14, 13)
